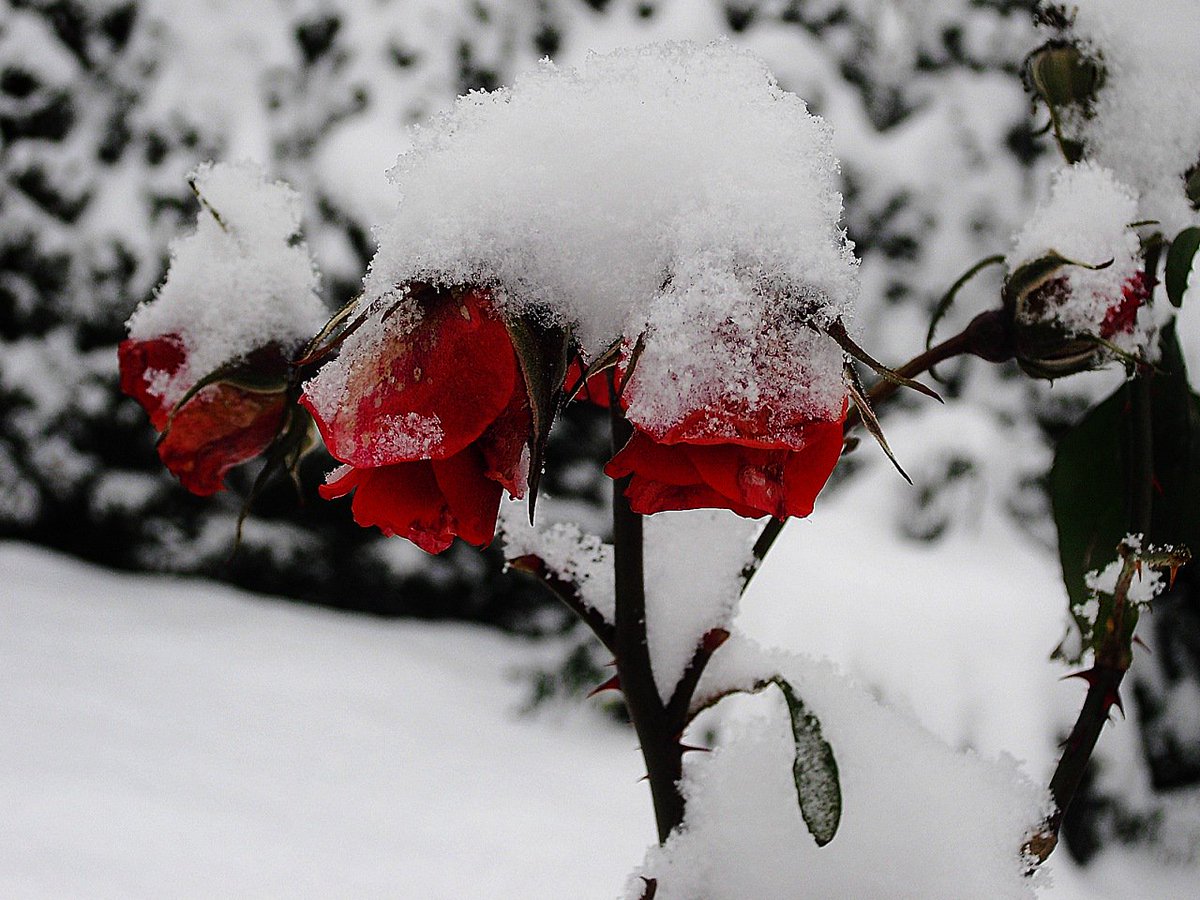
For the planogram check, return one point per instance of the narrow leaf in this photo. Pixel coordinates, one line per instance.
(814, 770)
(1179, 263)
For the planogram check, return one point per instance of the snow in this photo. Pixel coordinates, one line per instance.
(712, 342)
(240, 281)
(168, 737)
(693, 583)
(1086, 219)
(920, 820)
(644, 162)
(1146, 125)
(1146, 585)
(173, 738)
(566, 550)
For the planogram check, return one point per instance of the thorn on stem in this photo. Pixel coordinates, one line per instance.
(613, 684)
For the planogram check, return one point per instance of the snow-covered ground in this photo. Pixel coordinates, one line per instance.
(168, 738)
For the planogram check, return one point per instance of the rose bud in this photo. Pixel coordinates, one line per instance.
(1036, 296)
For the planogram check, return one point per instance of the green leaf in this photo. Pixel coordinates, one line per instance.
(1179, 263)
(1089, 479)
(814, 770)
(542, 351)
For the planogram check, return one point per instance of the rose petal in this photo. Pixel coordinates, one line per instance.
(429, 394)
(472, 498)
(504, 442)
(221, 427)
(808, 469)
(402, 499)
(138, 362)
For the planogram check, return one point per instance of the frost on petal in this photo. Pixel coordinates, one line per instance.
(402, 391)
(725, 360)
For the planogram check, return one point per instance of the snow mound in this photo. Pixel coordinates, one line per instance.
(579, 193)
(920, 820)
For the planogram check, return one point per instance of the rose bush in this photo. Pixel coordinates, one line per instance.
(432, 427)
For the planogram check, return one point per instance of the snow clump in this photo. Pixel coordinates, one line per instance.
(1087, 221)
(240, 282)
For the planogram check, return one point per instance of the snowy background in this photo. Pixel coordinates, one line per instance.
(163, 736)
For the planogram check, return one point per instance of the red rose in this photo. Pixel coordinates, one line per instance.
(685, 469)
(222, 425)
(1122, 315)
(433, 425)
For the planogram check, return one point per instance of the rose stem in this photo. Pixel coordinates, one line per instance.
(1113, 657)
(986, 337)
(658, 736)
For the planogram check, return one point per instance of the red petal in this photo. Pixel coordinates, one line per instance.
(429, 394)
(664, 478)
(647, 497)
(219, 428)
(402, 499)
(472, 498)
(503, 445)
(646, 457)
(140, 360)
(807, 470)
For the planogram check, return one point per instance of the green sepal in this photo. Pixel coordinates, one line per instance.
(1063, 75)
(858, 395)
(1179, 264)
(295, 439)
(542, 351)
(1031, 275)
(837, 330)
(240, 373)
(947, 299)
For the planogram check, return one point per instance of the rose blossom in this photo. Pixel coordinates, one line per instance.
(221, 425)
(432, 424)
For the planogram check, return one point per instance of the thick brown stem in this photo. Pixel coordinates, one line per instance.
(659, 739)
